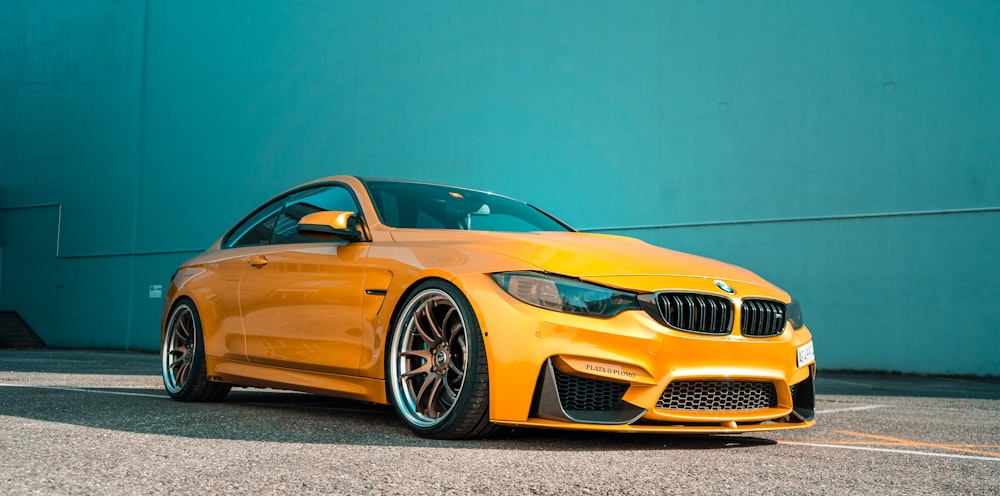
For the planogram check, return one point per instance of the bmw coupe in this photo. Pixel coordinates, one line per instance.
(466, 310)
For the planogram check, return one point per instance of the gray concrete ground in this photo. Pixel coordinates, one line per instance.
(80, 422)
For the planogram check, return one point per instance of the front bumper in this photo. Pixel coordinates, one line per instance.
(627, 362)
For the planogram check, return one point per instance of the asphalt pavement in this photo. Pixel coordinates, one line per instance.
(85, 422)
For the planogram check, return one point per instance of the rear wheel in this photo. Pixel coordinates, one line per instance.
(436, 365)
(183, 357)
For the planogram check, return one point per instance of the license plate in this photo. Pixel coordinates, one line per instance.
(805, 354)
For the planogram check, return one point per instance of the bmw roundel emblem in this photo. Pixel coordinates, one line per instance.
(725, 287)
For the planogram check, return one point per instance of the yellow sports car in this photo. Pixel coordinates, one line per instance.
(467, 310)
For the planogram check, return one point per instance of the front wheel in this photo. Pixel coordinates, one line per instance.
(183, 357)
(436, 365)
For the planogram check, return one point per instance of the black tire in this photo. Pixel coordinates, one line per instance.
(183, 357)
(436, 368)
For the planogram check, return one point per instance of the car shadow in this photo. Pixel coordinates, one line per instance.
(351, 412)
(280, 416)
(283, 417)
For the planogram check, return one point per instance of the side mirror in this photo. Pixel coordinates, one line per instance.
(329, 225)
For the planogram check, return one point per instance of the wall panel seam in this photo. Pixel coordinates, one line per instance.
(821, 218)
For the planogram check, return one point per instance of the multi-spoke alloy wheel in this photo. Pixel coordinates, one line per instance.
(437, 372)
(183, 358)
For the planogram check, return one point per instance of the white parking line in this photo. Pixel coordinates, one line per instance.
(849, 409)
(889, 450)
(83, 390)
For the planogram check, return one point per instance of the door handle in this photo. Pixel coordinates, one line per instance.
(257, 261)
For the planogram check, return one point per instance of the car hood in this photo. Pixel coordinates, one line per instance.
(597, 257)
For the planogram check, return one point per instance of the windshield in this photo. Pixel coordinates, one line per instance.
(430, 206)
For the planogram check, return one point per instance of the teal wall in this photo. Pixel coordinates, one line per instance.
(846, 151)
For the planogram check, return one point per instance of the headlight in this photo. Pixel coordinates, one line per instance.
(564, 294)
(793, 313)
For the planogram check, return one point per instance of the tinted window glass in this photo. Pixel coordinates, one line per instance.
(429, 206)
(306, 202)
(502, 222)
(258, 228)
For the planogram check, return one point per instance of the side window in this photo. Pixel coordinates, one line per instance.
(258, 228)
(306, 202)
(388, 208)
(501, 222)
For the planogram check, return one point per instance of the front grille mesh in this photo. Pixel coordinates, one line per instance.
(580, 393)
(718, 395)
(693, 312)
(762, 318)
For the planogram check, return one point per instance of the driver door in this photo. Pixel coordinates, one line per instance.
(300, 298)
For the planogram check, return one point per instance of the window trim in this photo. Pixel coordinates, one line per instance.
(227, 242)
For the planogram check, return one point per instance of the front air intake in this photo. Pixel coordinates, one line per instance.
(718, 396)
(567, 397)
(585, 394)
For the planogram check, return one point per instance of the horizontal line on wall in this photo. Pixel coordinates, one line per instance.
(25, 207)
(600, 229)
(137, 254)
(819, 218)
